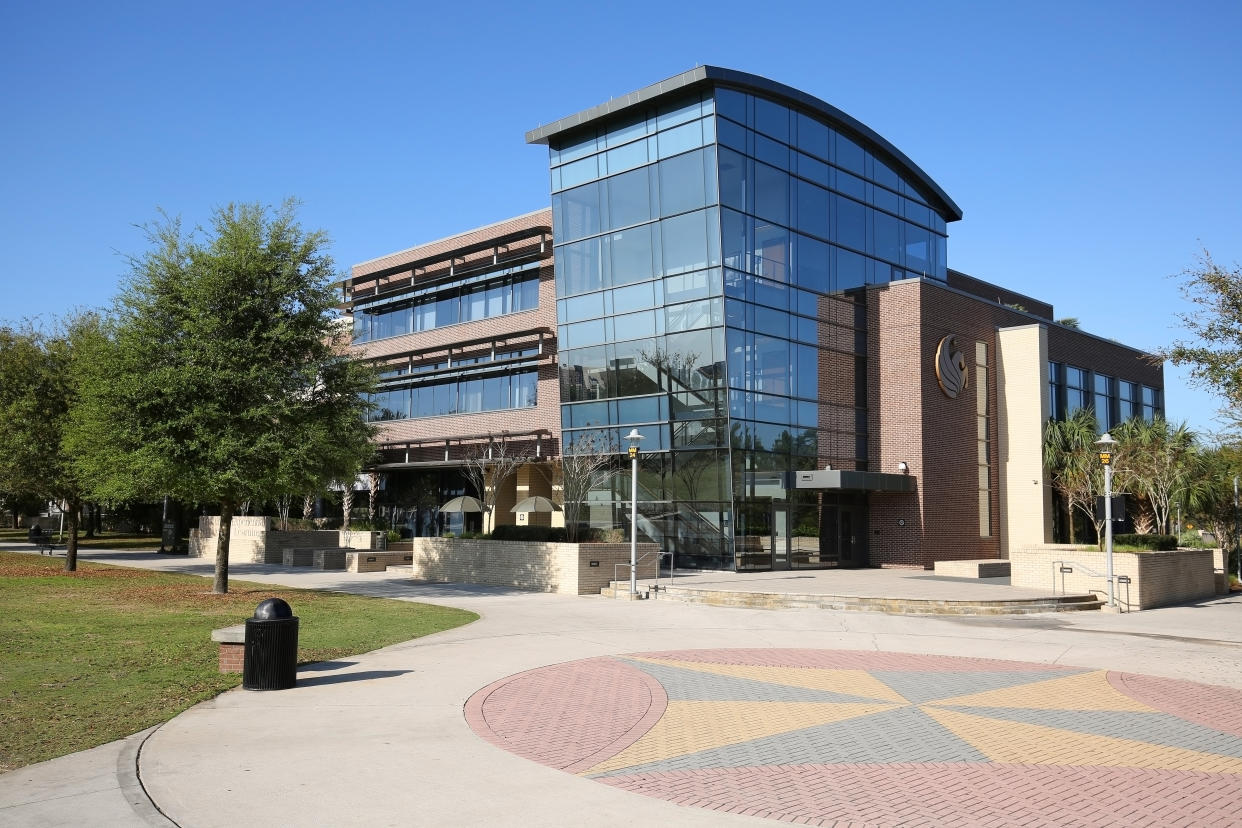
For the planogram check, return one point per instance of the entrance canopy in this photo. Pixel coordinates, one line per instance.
(847, 480)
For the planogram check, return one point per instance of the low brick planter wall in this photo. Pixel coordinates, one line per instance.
(1157, 579)
(570, 568)
(232, 641)
(364, 560)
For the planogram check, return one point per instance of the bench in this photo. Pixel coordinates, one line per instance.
(44, 543)
(232, 641)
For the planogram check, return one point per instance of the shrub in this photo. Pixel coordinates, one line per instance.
(1159, 543)
(553, 534)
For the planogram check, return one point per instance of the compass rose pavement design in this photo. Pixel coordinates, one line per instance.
(822, 737)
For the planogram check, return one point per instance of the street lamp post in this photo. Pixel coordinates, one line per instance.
(1106, 446)
(634, 437)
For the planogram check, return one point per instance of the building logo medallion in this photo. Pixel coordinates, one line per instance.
(951, 372)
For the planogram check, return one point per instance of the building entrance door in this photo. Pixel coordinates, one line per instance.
(839, 542)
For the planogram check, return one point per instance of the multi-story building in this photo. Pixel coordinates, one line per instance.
(465, 331)
(759, 284)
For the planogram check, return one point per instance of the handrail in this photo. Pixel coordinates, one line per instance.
(1064, 568)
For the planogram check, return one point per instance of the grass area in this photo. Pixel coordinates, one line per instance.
(105, 540)
(91, 656)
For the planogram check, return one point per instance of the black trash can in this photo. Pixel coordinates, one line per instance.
(271, 660)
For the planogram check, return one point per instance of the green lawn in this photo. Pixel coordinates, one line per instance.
(105, 540)
(91, 656)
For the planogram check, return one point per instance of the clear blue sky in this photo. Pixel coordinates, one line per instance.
(1094, 147)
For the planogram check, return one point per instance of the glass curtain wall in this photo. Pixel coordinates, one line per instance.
(711, 258)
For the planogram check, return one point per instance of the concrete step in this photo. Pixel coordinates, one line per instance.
(891, 606)
(621, 591)
(401, 569)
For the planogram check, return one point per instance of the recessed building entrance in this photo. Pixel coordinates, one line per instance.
(829, 534)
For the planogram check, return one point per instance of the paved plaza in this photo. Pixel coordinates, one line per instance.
(822, 737)
(565, 711)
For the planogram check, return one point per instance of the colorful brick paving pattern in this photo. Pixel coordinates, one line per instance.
(823, 737)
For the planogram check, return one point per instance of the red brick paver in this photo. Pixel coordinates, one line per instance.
(822, 737)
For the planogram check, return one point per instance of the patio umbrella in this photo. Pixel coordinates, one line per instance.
(465, 503)
(538, 503)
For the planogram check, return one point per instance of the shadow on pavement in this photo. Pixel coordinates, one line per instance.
(365, 675)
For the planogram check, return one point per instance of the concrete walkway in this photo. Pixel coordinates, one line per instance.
(382, 739)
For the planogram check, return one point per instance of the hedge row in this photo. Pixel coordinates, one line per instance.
(1159, 543)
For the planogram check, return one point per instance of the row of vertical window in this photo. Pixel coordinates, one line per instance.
(633, 127)
(808, 135)
(1113, 400)
(663, 145)
(674, 185)
(464, 304)
(773, 196)
(655, 294)
(457, 396)
(686, 362)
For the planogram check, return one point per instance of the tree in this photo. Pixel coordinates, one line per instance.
(37, 395)
(488, 468)
(226, 375)
(1158, 461)
(1215, 353)
(1210, 496)
(586, 466)
(1073, 464)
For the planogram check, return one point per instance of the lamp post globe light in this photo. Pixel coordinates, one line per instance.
(634, 437)
(1106, 447)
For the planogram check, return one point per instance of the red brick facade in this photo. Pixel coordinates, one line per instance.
(911, 420)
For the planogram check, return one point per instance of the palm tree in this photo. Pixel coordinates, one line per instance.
(1158, 461)
(1071, 462)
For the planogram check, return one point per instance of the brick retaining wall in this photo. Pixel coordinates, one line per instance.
(531, 565)
(1157, 579)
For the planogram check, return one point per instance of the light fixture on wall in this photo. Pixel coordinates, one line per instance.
(903, 467)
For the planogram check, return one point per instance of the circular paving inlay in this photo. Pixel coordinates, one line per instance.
(826, 736)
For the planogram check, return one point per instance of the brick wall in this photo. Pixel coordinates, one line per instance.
(538, 567)
(1157, 579)
(232, 657)
(910, 419)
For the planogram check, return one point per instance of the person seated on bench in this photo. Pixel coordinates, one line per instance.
(35, 535)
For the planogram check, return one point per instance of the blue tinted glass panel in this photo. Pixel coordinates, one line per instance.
(686, 286)
(731, 103)
(771, 194)
(806, 375)
(581, 267)
(887, 237)
(678, 113)
(632, 298)
(578, 149)
(629, 198)
(626, 157)
(882, 174)
(580, 211)
(813, 210)
(579, 171)
(771, 254)
(885, 199)
(772, 119)
(640, 410)
(817, 171)
(850, 185)
(849, 155)
(731, 134)
(813, 268)
(813, 137)
(679, 139)
(736, 230)
(850, 269)
(684, 242)
(526, 295)
(771, 152)
(578, 334)
(446, 311)
(918, 249)
(631, 254)
(496, 393)
(681, 184)
(916, 212)
(626, 131)
(735, 174)
(587, 306)
(771, 365)
(851, 222)
(634, 325)
(769, 293)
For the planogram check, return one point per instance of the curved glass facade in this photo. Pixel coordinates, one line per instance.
(711, 251)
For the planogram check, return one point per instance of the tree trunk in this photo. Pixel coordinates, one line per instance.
(347, 503)
(90, 509)
(221, 584)
(71, 547)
